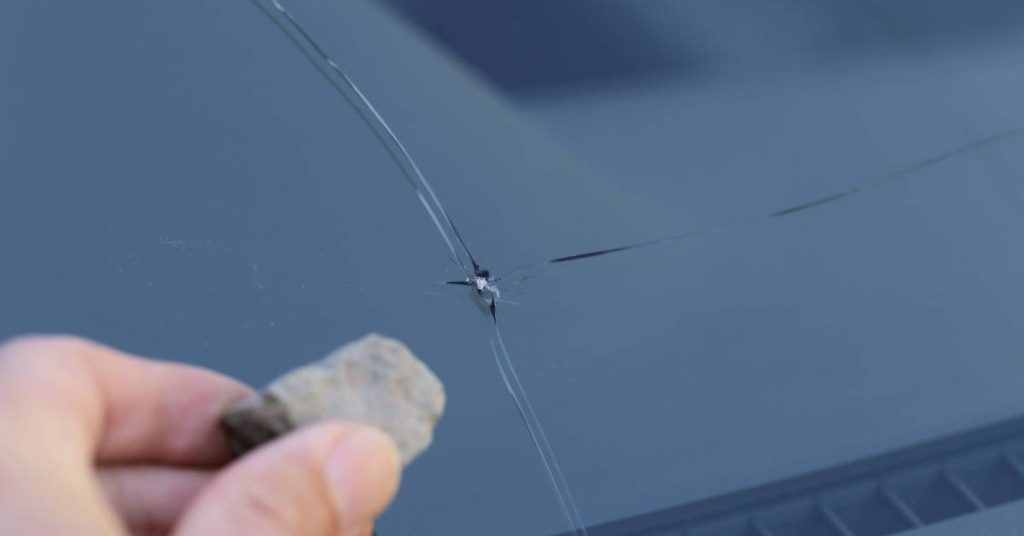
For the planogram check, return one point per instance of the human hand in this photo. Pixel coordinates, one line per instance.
(96, 442)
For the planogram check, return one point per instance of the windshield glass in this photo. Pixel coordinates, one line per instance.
(723, 266)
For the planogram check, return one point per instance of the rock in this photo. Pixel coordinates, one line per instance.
(375, 380)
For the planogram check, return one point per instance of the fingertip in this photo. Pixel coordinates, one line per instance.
(327, 478)
(362, 470)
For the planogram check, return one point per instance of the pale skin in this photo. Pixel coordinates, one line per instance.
(97, 442)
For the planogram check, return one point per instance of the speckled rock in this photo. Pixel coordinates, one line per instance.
(375, 380)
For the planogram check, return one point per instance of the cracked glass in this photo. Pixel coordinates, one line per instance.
(637, 296)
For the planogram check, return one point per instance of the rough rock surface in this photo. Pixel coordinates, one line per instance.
(375, 380)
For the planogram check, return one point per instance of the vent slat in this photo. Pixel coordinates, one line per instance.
(902, 507)
(834, 521)
(964, 490)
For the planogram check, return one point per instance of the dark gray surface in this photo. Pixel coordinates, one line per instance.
(1003, 521)
(178, 181)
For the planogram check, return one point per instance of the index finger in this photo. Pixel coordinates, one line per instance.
(121, 408)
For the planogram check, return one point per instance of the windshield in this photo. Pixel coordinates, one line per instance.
(720, 267)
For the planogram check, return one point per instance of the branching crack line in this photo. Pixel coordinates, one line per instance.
(859, 188)
(485, 287)
(373, 119)
(476, 276)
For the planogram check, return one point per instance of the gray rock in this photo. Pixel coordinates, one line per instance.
(375, 380)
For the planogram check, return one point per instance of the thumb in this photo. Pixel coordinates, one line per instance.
(326, 479)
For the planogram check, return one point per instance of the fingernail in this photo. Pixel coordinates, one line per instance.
(362, 472)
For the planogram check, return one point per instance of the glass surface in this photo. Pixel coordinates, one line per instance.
(180, 181)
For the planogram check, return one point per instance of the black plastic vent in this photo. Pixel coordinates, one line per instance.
(888, 494)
